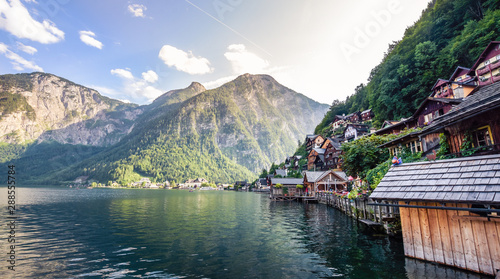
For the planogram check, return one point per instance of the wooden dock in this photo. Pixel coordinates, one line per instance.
(306, 199)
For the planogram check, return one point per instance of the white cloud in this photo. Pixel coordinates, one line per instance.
(244, 61)
(122, 73)
(136, 89)
(17, 61)
(184, 61)
(150, 76)
(15, 19)
(28, 49)
(137, 10)
(88, 38)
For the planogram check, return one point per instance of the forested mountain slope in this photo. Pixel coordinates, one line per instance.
(450, 33)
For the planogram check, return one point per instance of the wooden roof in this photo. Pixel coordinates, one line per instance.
(287, 181)
(464, 180)
(484, 99)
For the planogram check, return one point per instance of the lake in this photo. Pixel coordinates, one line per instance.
(127, 233)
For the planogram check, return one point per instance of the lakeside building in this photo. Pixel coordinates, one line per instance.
(449, 210)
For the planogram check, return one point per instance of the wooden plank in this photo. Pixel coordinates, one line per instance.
(493, 233)
(482, 250)
(471, 261)
(456, 239)
(437, 243)
(406, 229)
(476, 218)
(416, 233)
(426, 233)
(444, 231)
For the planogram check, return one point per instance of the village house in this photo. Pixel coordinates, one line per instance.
(477, 116)
(316, 181)
(316, 159)
(313, 141)
(281, 172)
(287, 186)
(449, 210)
(292, 162)
(338, 122)
(195, 183)
(367, 115)
(487, 67)
(462, 83)
(354, 131)
(332, 154)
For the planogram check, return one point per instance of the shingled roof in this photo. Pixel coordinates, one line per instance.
(484, 99)
(464, 180)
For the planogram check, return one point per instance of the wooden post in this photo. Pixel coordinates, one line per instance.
(379, 214)
(364, 208)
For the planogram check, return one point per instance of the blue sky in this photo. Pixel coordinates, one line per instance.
(138, 49)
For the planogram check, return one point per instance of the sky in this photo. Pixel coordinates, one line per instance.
(136, 50)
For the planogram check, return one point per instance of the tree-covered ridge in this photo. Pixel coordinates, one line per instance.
(450, 33)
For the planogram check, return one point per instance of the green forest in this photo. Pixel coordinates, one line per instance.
(450, 33)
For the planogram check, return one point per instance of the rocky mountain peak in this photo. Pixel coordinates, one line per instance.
(197, 87)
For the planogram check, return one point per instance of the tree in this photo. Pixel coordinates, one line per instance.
(363, 154)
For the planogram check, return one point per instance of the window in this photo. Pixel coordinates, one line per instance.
(414, 146)
(482, 137)
(428, 118)
(487, 62)
(459, 79)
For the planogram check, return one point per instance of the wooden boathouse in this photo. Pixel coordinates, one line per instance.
(450, 210)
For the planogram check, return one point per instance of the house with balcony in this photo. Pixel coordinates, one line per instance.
(487, 67)
(476, 118)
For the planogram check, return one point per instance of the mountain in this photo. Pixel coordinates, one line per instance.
(45, 107)
(449, 33)
(224, 134)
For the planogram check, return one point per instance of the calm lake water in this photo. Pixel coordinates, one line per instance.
(110, 233)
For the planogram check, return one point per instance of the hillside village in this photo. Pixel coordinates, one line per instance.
(462, 109)
(446, 210)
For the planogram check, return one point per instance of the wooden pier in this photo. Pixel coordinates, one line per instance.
(305, 199)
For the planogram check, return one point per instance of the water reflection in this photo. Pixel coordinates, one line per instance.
(172, 234)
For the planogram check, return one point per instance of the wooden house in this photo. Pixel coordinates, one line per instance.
(313, 141)
(430, 109)
(354, 117)
(316, 159)
(338, 121)
(449, 209)
(281, 172)
(478, 116)
(316, 181)
(395, 127)
(462, 83)
(442, 89)
(290, 184)
(487, 66)
(332, 153)
(367, 115)
(354, 131)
